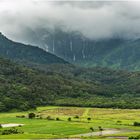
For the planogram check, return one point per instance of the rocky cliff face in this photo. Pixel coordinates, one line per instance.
(75, 47)
(114, 52)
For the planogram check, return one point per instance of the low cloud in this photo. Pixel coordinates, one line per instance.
(95, 20)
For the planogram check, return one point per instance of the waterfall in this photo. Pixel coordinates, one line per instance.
(83, 50)
(71, 46)
(53, 49)
(46, 48)
(74, 58)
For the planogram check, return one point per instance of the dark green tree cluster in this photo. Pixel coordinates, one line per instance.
(23, 88)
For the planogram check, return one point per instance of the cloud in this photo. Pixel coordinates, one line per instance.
(95, 20)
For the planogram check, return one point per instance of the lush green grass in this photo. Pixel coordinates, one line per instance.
(43, 128)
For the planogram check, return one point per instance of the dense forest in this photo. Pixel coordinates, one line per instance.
(23, 88)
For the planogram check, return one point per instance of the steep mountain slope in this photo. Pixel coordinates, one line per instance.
(23, 88)
(26, 53)
(115, 52)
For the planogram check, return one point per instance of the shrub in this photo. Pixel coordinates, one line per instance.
(38, 116)
(11, 131)
(31, 115)
(119, 122)
(88, 119)
(91, 128)
(57, 119)
(69, 119)
(76, 117)
(22, 116)
(100, 128)
(135, 137)
(136, 123)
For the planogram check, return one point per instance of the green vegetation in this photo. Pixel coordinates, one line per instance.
(23, 88)
(135, 137)
(10, 131)
(26, 54)
(31, 115)
(136, 123)
(102, 120)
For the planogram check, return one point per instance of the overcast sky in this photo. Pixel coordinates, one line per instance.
(95, 20)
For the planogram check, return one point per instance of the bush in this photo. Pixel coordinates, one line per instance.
(135, 137)
(88, 118)
(136, 123)
(31, 115)
(100, 128)
(69, 119)
(119, 122)
(22, 116)
(11, 131)
(76, 117)
(91, 128)
(57, 119)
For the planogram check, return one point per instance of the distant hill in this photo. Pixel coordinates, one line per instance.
(26, 53)
(22, 88)
(114, 53)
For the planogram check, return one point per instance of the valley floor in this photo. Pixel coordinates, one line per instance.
(54, 122)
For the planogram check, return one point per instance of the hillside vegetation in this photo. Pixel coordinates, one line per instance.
(26, 54)
(23, 88)
(55, 122)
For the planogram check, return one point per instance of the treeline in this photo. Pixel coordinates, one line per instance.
(23, 88)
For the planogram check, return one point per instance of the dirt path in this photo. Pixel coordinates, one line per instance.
(11, 125)
(118, 137)
(105, 132)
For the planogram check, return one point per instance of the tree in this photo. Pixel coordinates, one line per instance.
(31, 115)
(76, 117)
(2, 107)
(91, 128)
(57, 119)
(69, 119)
(136, 123)
(100, 129)
(88, 119)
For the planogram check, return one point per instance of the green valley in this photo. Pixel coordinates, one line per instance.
(52, 122)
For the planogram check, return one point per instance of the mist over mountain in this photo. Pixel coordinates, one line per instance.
(87, 33)
(26, 54)
(117, 53)
(94, 19)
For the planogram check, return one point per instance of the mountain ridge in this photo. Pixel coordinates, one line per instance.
(26, 53)
(116, 53)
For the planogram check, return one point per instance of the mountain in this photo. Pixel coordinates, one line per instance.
(23, 88)
(114, 53)
(26, 53)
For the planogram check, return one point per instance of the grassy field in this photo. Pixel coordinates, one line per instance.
(109, 119)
